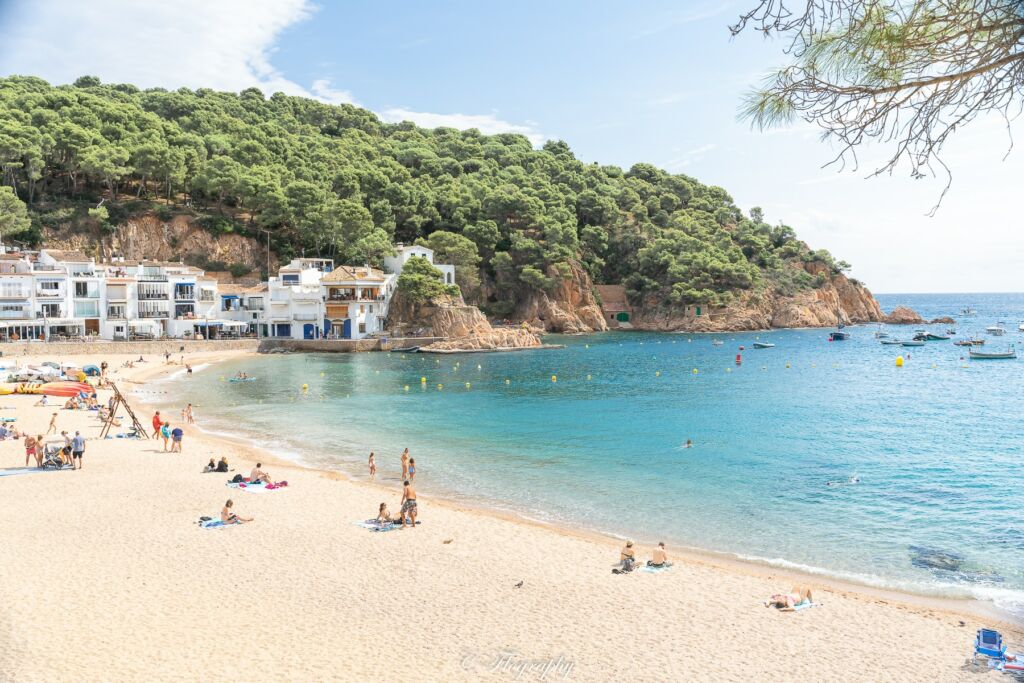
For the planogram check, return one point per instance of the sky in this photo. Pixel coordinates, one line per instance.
(655, 81)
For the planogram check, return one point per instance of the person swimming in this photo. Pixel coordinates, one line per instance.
(852, 480)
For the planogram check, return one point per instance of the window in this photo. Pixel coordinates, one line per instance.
(87, 309)
(115, 311)
(362, 328)
(12, 289)
(87, 290)
(290, 279)
(50, 310)
(371, 308)
(117, 292)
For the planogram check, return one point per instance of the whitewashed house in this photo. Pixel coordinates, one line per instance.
(295, 300)
(357, 300)
(394, 264)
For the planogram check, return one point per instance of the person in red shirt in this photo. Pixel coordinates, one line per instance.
(157, 424)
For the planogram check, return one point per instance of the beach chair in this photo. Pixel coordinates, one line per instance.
(988, 644)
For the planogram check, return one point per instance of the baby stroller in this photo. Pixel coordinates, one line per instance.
(52, 456)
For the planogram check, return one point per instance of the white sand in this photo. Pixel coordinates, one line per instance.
(106, 577)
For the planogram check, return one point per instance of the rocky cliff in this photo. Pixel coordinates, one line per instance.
(839, 301)
(570, 307)
(149, 237)
(464, 327)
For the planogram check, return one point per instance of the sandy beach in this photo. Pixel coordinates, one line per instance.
(108, 578)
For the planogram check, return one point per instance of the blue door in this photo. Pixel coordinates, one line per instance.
(347, 331)
(308, 331)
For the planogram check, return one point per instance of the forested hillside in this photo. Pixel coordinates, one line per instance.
(336, 181)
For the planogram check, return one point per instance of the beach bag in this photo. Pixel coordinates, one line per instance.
(237, 479)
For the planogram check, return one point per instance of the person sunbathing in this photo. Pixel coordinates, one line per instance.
(227, 516)
(659, 558)
(627, 558)
(258, 474)
(799, 595)
(383, 515)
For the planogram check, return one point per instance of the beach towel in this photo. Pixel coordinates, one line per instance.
(258, 487)
(656, 570)
(213, 524)
(28, 470)
(374, 525)
(800, 606)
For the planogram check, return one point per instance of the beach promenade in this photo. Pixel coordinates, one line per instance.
(107, 577)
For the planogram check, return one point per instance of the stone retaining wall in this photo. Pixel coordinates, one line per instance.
(343, 345)
(142, 348)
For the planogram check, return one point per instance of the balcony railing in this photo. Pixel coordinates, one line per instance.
(115, 316)
(254, 307)
(88, 295)
(152, 296)
(154, 314)
(153, 277)
(15, 294)
(184, 295)
(15, 315)
(49, 293)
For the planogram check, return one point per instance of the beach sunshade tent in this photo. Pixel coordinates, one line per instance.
(91, 370)
(989, 643)
(51, 364)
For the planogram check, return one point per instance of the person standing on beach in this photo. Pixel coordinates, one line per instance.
(157, 424)
(408, 510)
(373, 466)
(405, 464)
(78, 448)
(176, 435)
(30, 450)
(165, 433)
(53, 425)
(412, 469)
(189, 417)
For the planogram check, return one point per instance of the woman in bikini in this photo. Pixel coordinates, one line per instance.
(229, 517)
(383, 516)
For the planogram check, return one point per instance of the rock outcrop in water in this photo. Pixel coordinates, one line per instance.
(902, 315)
(464, 327)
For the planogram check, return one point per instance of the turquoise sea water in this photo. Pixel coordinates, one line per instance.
(934, 447)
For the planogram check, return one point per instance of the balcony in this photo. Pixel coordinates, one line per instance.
(307, 317)
(89, 295)
(253, 307)
(152, 296)
(154, 314)
(15, 315)
(49, 293)
(152, 277)
(184, 294)
(15, 294)
(116, 315)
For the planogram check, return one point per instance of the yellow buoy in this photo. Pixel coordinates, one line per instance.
(899, 361)
(588, 377)
(728, 369)
(554, 378)
(440, 386)
(658, 373)
(321, 374)
(305, 387)
(467, 385)
(695, 371)
(508, 381)
(423, 380)
(787, 366)
(406, 387)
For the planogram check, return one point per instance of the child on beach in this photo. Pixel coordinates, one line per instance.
(229, 517)
(373, 466)
(210, 466)
(165, 433)
(412, 469)
(53, 425)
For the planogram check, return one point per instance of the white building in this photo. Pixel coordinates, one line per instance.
(295, 301)
(357, 300)
(394, 264)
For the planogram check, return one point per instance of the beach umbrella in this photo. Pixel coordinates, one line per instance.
(91, 370)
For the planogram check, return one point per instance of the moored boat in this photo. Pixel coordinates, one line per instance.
(995, 330)
(763, 345)
(936, 337)
(892, 342)
(838, 336)
(994, 355)
(914, 342)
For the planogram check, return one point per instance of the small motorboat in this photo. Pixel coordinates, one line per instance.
(994, 355)
(915, 342)
(963, 342)
(936, 337)
(1020, 328)
(408, 349)
(968, 311)
(838, 336)
(717, 342)
(995, 330)
(763, 345)
(881, 335)
(892, 342)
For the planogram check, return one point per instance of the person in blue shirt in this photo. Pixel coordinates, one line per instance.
(77, 449)
(176, 435)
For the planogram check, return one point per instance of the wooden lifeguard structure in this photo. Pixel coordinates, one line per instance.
(120, 400)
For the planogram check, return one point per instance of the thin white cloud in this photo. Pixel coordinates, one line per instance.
(323, 91)
(217, 44)
(488, 124)
(688, 157)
